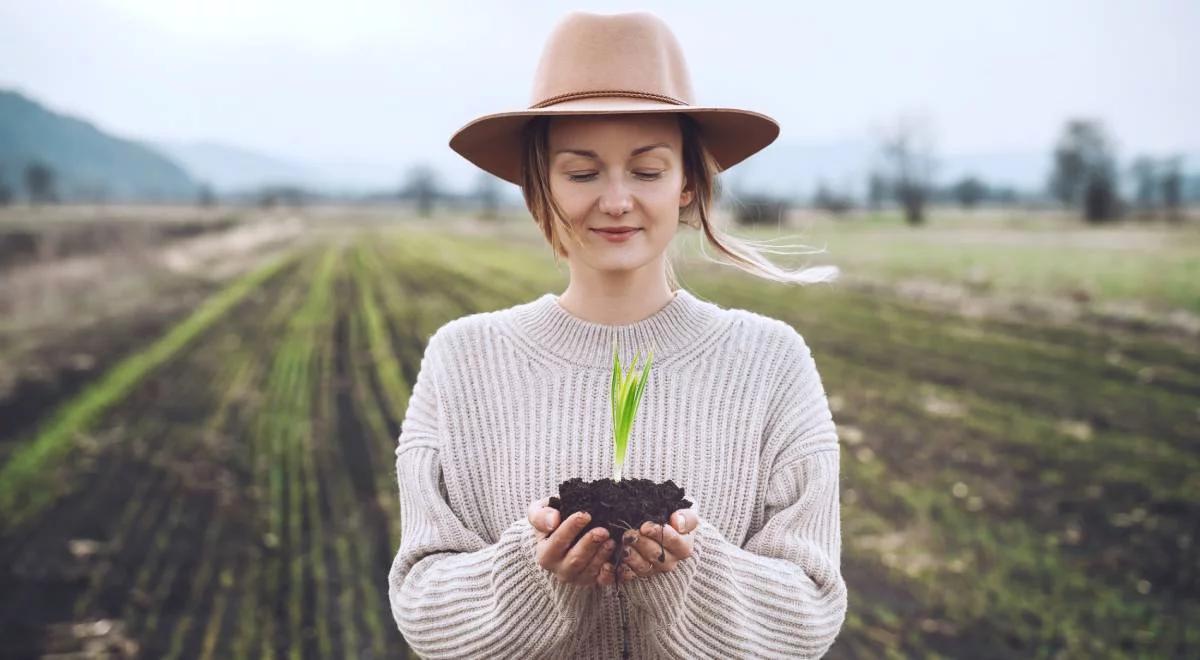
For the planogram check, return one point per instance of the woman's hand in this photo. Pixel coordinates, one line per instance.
(645, 556)
(581, 564)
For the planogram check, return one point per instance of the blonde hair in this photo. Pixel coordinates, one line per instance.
(700, 170)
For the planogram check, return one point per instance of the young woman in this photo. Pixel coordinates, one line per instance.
(612, 157)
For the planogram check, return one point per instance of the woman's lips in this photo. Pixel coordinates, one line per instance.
(617, 236)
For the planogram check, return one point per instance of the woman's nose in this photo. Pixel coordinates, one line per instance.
(615, 199)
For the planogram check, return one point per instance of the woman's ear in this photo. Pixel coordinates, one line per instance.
(685, 195)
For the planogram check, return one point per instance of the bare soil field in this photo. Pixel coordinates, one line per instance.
(211, 472)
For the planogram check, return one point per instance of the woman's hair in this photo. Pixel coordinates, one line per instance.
(700, 170)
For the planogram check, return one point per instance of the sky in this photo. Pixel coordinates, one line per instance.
(386, 83)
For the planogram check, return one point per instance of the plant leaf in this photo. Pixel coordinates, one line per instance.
(646, 371)
(613, 389)
(625, 392)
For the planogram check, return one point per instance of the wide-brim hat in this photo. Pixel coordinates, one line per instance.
(596, 64)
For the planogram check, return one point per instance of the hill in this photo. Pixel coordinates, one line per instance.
(88, 163)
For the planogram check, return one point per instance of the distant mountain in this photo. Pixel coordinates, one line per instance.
(230, 169)
(87, 163)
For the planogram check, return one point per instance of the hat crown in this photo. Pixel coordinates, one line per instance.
(589, 55)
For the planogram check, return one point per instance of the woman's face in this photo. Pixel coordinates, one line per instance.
(618, 171)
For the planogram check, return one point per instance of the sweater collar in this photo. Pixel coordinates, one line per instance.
(680, 323)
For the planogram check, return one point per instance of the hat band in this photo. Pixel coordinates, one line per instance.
(570, 96)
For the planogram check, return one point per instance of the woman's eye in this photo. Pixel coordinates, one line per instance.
(645, 176)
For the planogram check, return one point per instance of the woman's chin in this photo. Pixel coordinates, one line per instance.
(620, 262)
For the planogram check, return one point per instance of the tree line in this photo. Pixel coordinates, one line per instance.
(1084, 176)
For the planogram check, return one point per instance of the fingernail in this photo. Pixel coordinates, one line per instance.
(679, 521)
(550, 520)
(598, 535)
(584, 517)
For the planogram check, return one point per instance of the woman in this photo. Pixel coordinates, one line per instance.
(612, 156)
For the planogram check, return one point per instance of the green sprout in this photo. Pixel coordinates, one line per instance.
(626, 395)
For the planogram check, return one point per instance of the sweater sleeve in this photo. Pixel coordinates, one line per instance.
(452, 594)
(781, 594)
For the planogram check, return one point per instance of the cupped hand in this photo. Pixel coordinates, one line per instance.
(645, 555)
(581, 564)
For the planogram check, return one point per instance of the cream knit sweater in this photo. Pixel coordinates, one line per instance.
(510, 403)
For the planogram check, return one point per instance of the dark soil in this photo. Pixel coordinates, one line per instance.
(66, 364)
(126, 490)
(619, 506)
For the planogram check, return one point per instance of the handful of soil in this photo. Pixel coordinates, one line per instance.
(619, 506)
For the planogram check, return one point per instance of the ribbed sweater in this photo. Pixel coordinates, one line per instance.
(509, 403)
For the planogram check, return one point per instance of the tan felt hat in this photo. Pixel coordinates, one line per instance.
(607, 64)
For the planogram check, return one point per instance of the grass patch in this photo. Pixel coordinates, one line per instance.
(27, 482)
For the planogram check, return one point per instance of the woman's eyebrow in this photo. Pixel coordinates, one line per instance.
(591, 154)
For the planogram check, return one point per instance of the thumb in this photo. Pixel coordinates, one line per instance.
(685, 520)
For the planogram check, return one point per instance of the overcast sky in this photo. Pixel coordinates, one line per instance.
(388, 82)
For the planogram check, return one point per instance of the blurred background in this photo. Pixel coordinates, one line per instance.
(227, 230)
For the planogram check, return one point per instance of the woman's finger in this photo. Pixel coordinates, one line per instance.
(676, 545)
(647, 543)
(591, 575)
(685, 521)
(606, 577)
(652, 554)
(537, 513)
(574, 565)
(560, 540)
(639, 564)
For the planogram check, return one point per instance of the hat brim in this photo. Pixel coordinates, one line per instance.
(493, 142)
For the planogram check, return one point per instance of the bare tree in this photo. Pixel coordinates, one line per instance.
(969, 191)
(827, 199)
(1100, 201)
(1084, 171)
(421, 187)
(40, 183)
(906, 147)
